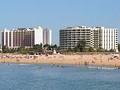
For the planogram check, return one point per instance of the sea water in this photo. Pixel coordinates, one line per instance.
(58, 77)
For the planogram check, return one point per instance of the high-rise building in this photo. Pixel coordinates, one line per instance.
(24, 37)
(106, 38)
(47, 33)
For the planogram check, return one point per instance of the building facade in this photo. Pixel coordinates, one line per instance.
(26, 37)
(47, 33)
(106, 38)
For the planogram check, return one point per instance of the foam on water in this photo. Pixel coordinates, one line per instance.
(102, 67)
(24, 64)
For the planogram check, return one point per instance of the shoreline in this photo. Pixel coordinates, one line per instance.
(95, 59)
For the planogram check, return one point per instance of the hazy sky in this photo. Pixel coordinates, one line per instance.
(58, 14)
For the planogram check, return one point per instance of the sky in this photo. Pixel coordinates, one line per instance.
(59, 14)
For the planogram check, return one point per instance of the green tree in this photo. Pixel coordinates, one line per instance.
(37, 47)
(4, 49)
(91, 49)
(100, 50)
(81, 45)
(76, 49)
(12, 50)
(119, 47)
(54, 46)
(47, 47)
(69, 49)
(111, 50)
(41, 46)
(20, 49)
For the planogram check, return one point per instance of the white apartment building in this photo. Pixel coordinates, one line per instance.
(106, 38)
(109, 38)
(24, 37)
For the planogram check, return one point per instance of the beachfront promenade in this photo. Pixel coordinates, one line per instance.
(95, 59)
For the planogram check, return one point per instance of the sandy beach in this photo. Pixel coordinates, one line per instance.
(95, 59)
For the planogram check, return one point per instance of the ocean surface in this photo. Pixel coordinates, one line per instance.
(57, 77)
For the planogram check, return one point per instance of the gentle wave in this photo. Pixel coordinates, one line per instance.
(102, 68)
(24, 64)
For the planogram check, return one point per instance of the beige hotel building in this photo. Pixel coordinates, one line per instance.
(26, 37)
(106, 38)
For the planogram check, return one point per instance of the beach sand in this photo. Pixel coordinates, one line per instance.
(95, 59)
